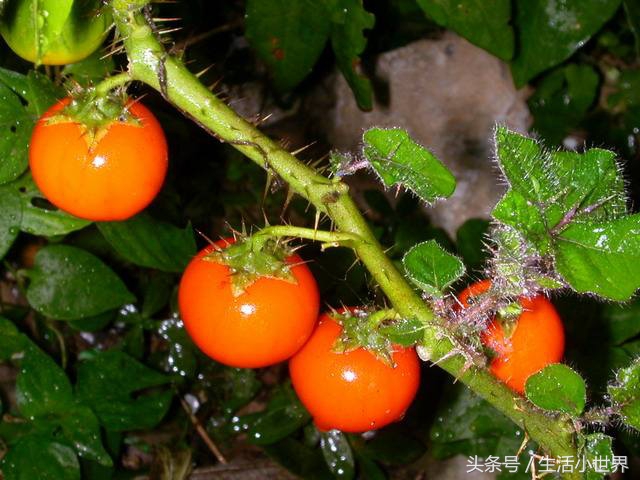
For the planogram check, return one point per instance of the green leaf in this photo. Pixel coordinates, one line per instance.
(624, 394)
(571, 208)
(181, 355)
(92, 69)
(10, 218)
(626, 95)
(151, 243)
(632, 11)
(432, 268)
(39, 457)
(348, 21)
(369, 469)
(37, 215)
(557, 388)
(596, 446)
(79, 427)
(124, 407)
(515, 210)
(157, 293)
(394, 447)
(23, 98)
(562, 100)
(405, 332)
(44, 395)
(470, 239)
(549, 31)
(42, 386)
(288, 35)
(240, 386)
(486, 24)
(12, 340)
(601, 258)
(68, 283)
(466, 424)
(93, 323)
(623, 321)
(337, 453)
(557, 182)
(303, 461)
(398, 160)
(283, 416)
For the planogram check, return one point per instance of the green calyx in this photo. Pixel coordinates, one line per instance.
(508, 316)
(96, 110)
(252, 258)
(363, 328)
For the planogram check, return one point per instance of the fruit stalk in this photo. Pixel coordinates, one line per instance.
(112, 82)
(150, 63)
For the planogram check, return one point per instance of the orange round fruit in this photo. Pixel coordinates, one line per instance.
(266, 324)
(537, 340)
(107, 176)
(353, 391)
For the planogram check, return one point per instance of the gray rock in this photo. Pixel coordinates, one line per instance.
(449, 95)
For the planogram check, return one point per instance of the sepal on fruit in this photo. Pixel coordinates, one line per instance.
(374, 331)
(95, 112)
(250, 259)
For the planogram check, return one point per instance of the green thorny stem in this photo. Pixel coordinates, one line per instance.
(328, 239)
(150, 63)
(114, 81)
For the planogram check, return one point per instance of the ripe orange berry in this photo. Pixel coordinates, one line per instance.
(110, 176)
(353, 391)
(264, 325)
(537, 339)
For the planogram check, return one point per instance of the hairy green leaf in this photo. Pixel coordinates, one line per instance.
(398, 160)
(597, 446)
(486, 24)
(404, 332)
(432, 268)
(571, 209)
(601, 258)
(557, 388)
(558, 182)
(68, 283)
(624, 394)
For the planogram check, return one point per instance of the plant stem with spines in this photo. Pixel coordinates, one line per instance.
(150, 63)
